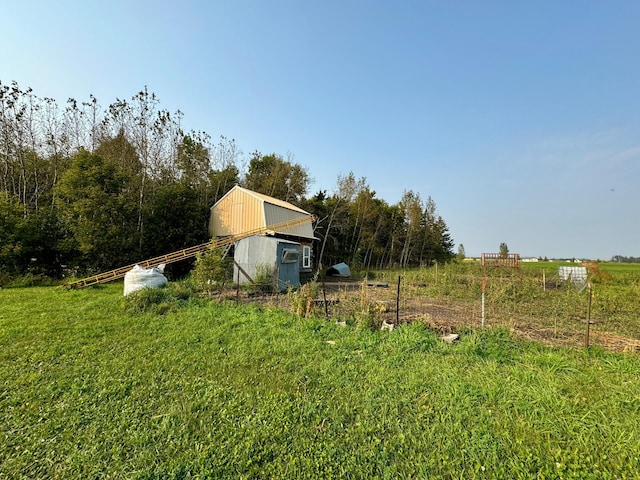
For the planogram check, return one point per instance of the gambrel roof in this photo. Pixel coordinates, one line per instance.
(241, 210)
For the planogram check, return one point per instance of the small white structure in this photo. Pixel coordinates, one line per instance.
(339, 270)
(576, 275)
(138, 278)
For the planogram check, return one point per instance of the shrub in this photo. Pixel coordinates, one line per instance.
(302, 300)
(26, 280)
(211, 271)
(369, 275)
(265, 279)
(154, 300)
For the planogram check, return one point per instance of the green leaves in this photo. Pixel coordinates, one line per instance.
(211, 270)
(274, 176)
(93, 207)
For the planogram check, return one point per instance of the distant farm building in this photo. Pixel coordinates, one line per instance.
(287, 250)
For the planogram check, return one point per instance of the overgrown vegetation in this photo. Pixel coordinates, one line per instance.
(528, 297)
(265, 279)
(211, 271)
(159, 301)
(207, 389)
(302, 301)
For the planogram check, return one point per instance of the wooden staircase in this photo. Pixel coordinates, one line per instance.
(225, 242)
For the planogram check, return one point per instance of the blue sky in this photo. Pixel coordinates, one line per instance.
(520, 119)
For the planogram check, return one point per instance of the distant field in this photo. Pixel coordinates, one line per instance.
(206, 390)
(621, 268)
(547, 265)
(613, 267)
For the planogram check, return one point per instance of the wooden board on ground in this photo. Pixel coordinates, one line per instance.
(378, 284)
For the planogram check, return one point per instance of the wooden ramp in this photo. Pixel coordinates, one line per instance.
(184, 254)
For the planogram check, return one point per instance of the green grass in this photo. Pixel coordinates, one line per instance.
(91, 389)
(613, 267)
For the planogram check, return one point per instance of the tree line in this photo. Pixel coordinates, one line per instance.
(625, 259)
(85, 188)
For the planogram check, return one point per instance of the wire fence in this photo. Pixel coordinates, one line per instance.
(536, 307)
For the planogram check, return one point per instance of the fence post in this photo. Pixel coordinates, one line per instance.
(590, 296)
(398, 303)
(324, 297)
(484, 283)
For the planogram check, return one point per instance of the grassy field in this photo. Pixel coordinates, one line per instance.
(92, 388)
(619, 270)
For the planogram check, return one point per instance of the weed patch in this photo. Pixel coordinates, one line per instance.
(157, 301)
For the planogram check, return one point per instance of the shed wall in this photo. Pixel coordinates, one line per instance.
(254, 252)
(251, 252)
(236, 213)
(288, 273)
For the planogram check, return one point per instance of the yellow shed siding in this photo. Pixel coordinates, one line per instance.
(236, 213)
(242, 210)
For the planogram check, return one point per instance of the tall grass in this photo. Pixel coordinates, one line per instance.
(91, 389)
(530, 298)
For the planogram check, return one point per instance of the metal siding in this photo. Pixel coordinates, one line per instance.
(221, 216)
(242, 210)
(236, 213)
(275, 201)
(275, 214)
(254, 251)
(242, 257)
(249, 216)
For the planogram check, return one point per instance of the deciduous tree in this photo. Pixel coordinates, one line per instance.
(279, 178)
(92, 207)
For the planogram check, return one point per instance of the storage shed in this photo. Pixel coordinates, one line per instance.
(241, 210)
(259, 258)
